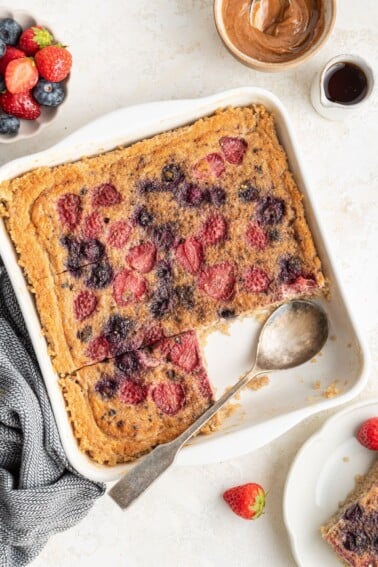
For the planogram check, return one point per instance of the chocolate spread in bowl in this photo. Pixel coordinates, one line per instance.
(286, 28)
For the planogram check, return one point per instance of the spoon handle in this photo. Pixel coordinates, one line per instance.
(144, 473)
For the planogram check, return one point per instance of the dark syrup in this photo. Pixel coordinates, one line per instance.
(345, 83)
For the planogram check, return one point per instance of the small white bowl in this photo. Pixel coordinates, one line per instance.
(29, 128)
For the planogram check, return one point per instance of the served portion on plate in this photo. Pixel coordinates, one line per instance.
(135, 246)
(331, 494)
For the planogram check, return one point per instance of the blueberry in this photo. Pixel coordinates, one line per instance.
(357, 541)
(163, 270)
(92, 250)
(143, 217)
(164, 235)
(107, 387)
(68, 242)
(184, 295)
(128, 363)
(274, 235)
(226, 313)
(217, 196)
(270, 210)
(161, 302)
(291, 268)
(353, 513)
(248, 192)
(117, 328)
(2, 84)
(3, 47)
(190, 195)
(48, 93)
(9, 124)
(10, 31)
(84, 334)
(100, 276)
(171, 175)
(148, 186)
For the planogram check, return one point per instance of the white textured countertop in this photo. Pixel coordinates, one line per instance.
(127, 52)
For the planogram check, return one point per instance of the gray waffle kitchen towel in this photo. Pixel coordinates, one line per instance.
(40, 493)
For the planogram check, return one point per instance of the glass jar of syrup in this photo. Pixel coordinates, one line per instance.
(345, 83)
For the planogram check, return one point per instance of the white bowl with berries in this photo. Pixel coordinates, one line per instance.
(34, 73)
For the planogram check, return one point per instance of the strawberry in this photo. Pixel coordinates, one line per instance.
(84, 305)
(189, 255)
(214, 229)
(256, 280)
(183, 351)
(119, 233)
(54, 63)
(218, 281)
(368, 434)
(203, 383)
(256, 236)
(210, 165)
(128, 287)
(21, 75)
(142, 257)
(247, 500)
(233, 149)
(21, 105)
(169, 397)
(11, 53)
(34, 38)
(132, 393)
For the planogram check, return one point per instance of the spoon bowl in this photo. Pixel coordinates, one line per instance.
(292, 335)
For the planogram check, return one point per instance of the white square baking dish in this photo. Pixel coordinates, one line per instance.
(291, 395)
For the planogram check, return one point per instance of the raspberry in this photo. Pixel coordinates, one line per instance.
(107, 386)
(92, 225)
(368, 434)
(100, 276)
(142, 257)
(164, 236)
(190, 195)
(105, 195)
(128, 287)
(92, 250)
(210, 165)
(142, 216)
(118, 235)
(69, 210)
(171, 175)
(270, 210)
(84, 305)
(117, 329)
(256, 280)
(98, 349)
(217, 196)
(128, 363)
(214, 230)
(233, 149)
(131, 392)
(256, 236)
(218, 281)
(291, 269)
(248, 192)
(169, 397)
(204, 384)
(184, 351)
(189, 255)
(301, 284)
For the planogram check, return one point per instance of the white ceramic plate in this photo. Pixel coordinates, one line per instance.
(321, 476)
(263, 415)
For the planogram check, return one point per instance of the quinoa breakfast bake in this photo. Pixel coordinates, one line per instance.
(169, 235)
(353, 530)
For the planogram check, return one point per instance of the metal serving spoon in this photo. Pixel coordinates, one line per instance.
(292, 335)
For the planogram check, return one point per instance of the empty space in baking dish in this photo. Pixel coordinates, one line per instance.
(337, 374)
